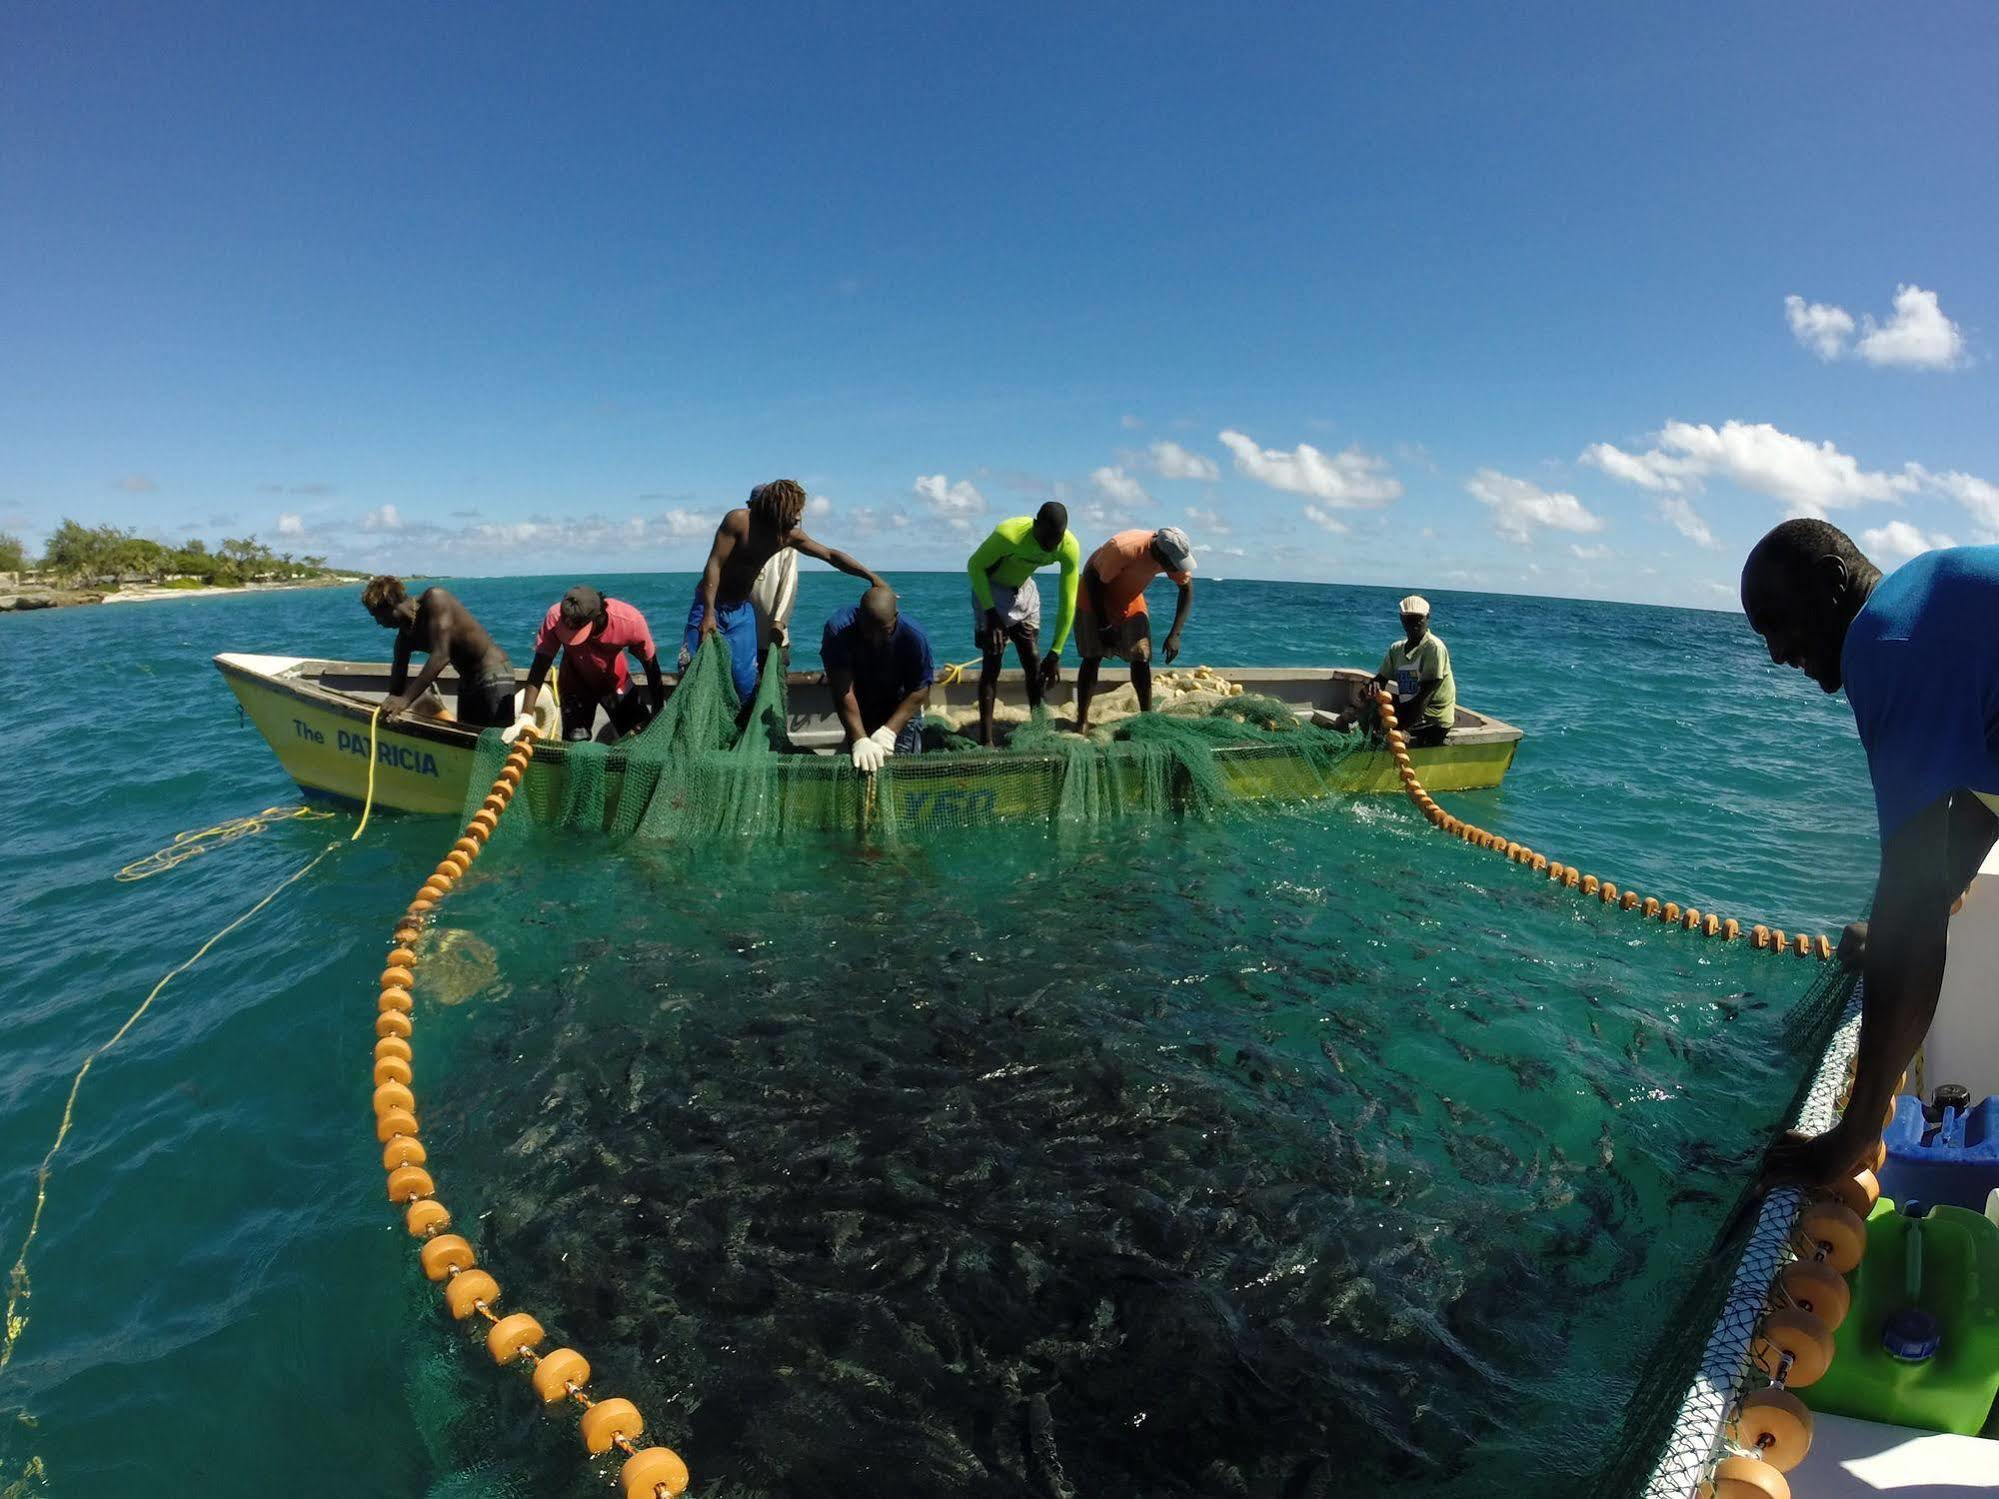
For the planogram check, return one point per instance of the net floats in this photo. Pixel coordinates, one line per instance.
(1649, 907)
(448, 1259)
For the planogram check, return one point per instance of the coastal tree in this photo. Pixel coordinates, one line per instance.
(13, 556)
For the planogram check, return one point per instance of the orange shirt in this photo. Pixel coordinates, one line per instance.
(1125, 564)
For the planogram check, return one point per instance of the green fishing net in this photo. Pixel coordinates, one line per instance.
(706, 767)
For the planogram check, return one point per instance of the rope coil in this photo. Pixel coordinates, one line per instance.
(560, 1374)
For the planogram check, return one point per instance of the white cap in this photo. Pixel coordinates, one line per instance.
(1414, 604)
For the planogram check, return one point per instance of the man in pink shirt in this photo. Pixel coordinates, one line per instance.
(1111, 618)
(593, 633)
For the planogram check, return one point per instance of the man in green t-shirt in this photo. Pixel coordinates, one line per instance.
(1417, 670)
(1007, 606)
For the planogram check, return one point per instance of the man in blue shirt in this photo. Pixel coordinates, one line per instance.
(879, 670)
(1918, 654)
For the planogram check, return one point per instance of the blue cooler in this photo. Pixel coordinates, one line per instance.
(1955, 1160)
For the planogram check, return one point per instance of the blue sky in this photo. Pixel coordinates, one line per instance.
(1451, 296)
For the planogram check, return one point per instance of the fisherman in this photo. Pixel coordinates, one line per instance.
(879, 670)
(747, 539)
(1111, 618)
(1417, 671)
(1007, 606)
(593, 633)
(1919, 659)
(437, 623)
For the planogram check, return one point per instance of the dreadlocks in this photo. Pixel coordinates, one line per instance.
(779, 504)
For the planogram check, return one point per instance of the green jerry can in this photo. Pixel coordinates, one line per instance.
(1920, 1345)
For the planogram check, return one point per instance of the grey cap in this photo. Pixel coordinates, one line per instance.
(1175, 548)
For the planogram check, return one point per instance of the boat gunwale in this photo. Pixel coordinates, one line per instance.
(299, 679)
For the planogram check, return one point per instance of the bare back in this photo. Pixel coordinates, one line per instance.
(443, 623)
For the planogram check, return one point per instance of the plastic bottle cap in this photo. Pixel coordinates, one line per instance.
(1913, 1208)
(1911, 1335)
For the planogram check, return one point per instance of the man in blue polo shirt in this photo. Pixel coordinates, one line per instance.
(1918, 654)
(879, 670)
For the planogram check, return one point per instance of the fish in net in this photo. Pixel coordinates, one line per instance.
(704, 767)
(1357, 1182)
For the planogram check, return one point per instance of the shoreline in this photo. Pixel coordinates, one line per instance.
(29, 600)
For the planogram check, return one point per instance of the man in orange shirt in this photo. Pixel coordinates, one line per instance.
(1111, 618)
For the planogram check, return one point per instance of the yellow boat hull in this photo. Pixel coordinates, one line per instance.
(319, 730)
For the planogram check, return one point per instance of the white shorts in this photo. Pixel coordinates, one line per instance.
(1017, 607)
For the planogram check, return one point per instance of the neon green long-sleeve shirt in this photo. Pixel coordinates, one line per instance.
(1011, 554)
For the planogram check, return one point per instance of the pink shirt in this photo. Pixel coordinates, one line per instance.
(1125, 564)
(599, 662)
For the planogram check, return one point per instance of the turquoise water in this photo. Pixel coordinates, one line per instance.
(1296, 1154)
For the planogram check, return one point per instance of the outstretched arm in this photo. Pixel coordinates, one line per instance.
(399, 674)
(537, 674)
(801, 542)
(1180, 613)
(441, 618)
(841, 685)
(1924, 866)
(655, 683)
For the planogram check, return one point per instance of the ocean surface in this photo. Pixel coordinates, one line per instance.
(1299, 1153)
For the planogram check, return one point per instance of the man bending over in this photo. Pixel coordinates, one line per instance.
(879, 671)
(744, 542)
(1918, 656)
(435, 622)
(1110, 616)
(1007, 606)
(593, 633)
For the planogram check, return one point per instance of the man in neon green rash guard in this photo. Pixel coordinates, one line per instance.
(1007, 606)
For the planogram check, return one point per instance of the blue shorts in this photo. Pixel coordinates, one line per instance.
(737, 624)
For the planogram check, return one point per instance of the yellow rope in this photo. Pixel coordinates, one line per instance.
(446, 1257)
(1648, 907)
(189, 844)
(955, 672)
(368, 806)
(18, 1289)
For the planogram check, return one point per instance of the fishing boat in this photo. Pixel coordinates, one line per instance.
(315, 715)
(1906, 1404)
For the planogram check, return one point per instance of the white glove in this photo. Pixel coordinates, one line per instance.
(885, 737)
(509, 735)
(868, 756)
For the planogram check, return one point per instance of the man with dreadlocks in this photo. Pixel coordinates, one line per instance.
(1919, 660)
(746, 540)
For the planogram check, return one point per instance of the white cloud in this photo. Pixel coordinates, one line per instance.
(1171, 461)
(291, 524)
(954, 503)
(383, 518)
(136, 484)
(1917, 337)
(1895, 543)
(1589, 554)
(1807, 478)
(680, 524)
(1349, 480)
(1819, 326)
(1682, 517)
(1327, 519)
(1118, 487)
(819, 505)
(1208, 520)
(1979, 496)
(1518, 506)
(1129, 422)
